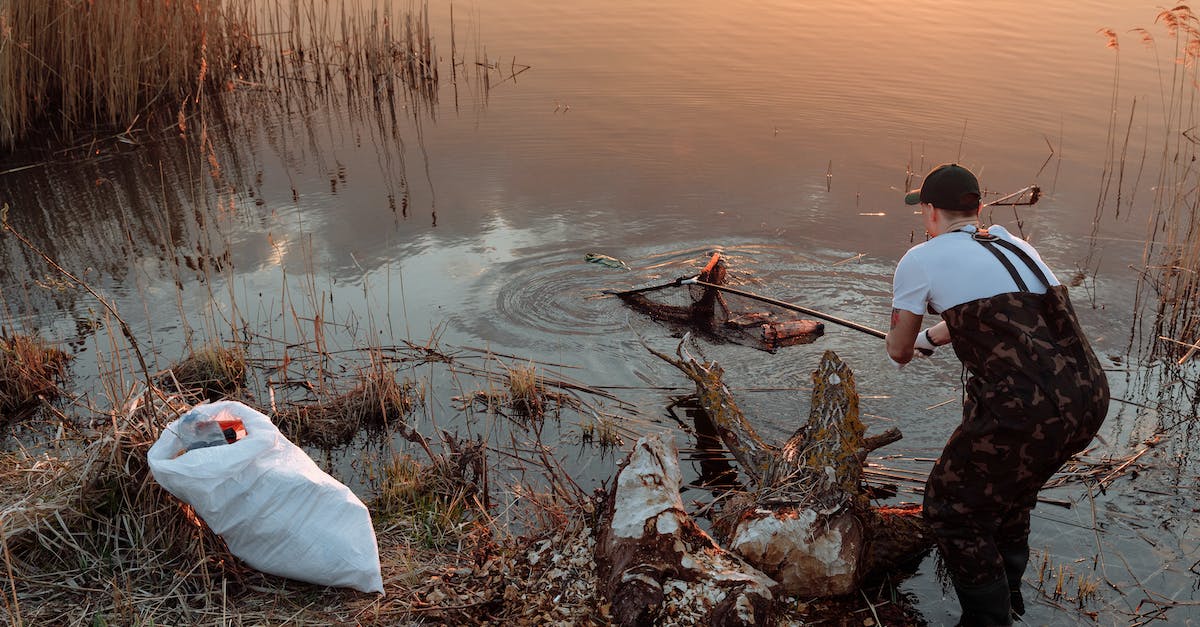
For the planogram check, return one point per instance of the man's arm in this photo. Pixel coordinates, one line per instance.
(939, 334)
(902, 334)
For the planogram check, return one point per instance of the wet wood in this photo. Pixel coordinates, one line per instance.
(711, 316)
(657, 567)
(804, 517)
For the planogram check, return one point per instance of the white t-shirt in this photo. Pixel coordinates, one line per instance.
(953, 268)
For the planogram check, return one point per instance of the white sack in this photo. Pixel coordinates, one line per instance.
(276, 509)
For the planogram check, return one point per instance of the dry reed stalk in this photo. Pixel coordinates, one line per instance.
(376, 403)
(211, 373)
(30, 370)
(1174, 226)
(103, 64)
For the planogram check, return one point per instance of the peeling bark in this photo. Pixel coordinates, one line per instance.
(656, 566)
(805, 519)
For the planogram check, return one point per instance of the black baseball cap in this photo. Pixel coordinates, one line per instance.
(948, 186)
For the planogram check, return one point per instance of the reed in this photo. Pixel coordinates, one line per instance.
(1165, 332)
(210, 373)
(80, 65)
(1172, 254)
(377, 401)
(30, 371)
(68, 67)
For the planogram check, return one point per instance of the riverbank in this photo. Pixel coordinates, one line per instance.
(90, 538)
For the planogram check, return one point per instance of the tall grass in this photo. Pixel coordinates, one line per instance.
(74, 65)
(68, 66)
(1172, 253)
(29, 373)
(1166, 329)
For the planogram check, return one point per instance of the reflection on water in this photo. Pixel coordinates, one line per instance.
(781, 133)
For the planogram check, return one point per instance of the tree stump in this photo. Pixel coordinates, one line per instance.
(804, 518)
(656, 566)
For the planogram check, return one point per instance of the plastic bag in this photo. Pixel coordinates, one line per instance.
(276, 509)
(198, 429)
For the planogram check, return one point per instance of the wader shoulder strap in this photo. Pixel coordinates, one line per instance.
(990, 242)
(1024, 256)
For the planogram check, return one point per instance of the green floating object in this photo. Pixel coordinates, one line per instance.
(605, 260)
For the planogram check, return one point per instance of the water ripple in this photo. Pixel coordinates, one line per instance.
(554, 299)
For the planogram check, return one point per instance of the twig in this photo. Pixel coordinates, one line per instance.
(1191, 348)
(15, 610)
(20, 168)
(1096, 533)
(870, 605)
(1147, 445)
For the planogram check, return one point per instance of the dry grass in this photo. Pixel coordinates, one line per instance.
(69, 66)
(377, 401)
(526, 397)
(525, 393)
(80, 65)
(87, 520)
(30, 370)
(89, 538)
(1173, 249)
(210, 373)
(1060, 583)
(600, 430)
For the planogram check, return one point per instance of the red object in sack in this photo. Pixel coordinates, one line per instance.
(232, 429)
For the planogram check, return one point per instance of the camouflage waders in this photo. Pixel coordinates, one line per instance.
(1035, 396)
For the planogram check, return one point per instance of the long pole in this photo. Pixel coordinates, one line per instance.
(677, 282)
(785, 305)
(1035, 194)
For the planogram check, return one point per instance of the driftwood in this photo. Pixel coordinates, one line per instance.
(805, 518)
(656, 566)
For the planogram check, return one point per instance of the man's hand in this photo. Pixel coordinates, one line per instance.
(923, 345)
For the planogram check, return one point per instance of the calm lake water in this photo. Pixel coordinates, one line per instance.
(782, 133)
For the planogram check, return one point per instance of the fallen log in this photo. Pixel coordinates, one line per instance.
(656, 566)
(804, 517)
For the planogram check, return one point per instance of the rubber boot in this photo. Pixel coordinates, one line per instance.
(1015, 561)
(984, 605)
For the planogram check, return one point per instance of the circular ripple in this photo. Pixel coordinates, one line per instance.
(544, 298)
(539, 299)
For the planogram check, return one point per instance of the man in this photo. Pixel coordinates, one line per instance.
(1035, 396)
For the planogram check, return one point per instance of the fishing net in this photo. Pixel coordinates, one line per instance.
(722, 317)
